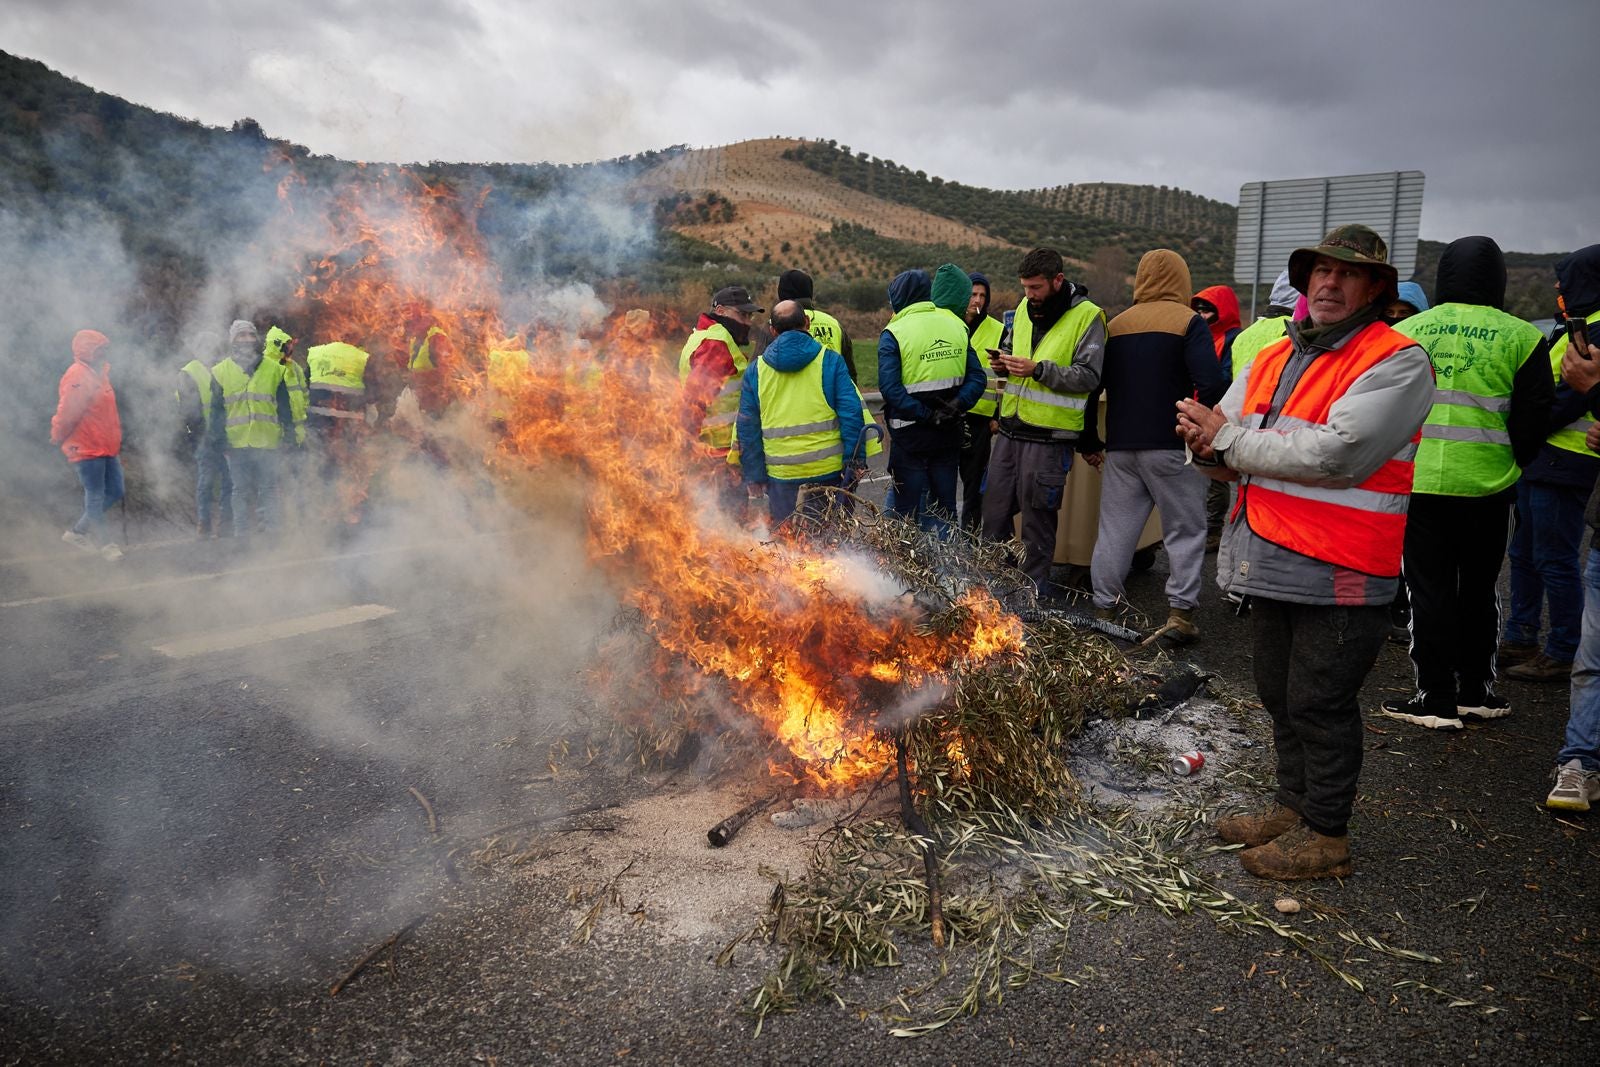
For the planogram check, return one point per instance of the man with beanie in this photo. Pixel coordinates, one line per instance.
(194, 390)
(1058, 347)
(1577, 770)
(983, 334)
(1490, 414)
(89, 430)
(796, 285)
(1273, 324)
(800, 417)
(245, 411)
(1320, 432)
(1547, 540)
(1157, 352)
(929, 377)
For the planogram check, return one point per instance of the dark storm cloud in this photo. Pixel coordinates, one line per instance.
(1486, 99)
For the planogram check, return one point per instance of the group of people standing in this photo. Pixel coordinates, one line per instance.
(1368, 450)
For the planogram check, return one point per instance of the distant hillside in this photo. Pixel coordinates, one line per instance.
(674, 222)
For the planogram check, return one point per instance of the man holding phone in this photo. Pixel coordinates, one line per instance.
(1058, 349)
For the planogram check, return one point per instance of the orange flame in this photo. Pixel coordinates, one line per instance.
(802, 643)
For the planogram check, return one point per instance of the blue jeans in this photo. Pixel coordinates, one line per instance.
(1544, 566)
(1583, 720)
(783, 496)
(255, 472)
(925, 483)
(211, 476)
(102, 488)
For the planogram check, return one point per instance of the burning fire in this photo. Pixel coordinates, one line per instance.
(799, 638)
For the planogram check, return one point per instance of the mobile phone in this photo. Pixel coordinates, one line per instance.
(1578, 334)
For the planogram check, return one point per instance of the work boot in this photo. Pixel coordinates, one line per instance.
(1298, 854)
(1541, 668)
(1511, 652)
(1258, 827)
(1180, 626)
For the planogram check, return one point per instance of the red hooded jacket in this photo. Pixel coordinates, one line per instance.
(1223, 299)
(86, 424)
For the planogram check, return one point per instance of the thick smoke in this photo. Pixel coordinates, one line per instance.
(495, 607)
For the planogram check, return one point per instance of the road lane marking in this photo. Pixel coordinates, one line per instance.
(262, 633)
(76, 553)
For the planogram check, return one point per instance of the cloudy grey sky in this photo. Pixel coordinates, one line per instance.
(1492, 100)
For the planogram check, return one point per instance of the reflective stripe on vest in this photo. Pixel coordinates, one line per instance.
(1249, 342)
(422, 351)
(1362, 527)
(1034, 402)
(202, 379)
(299, 397)
(933, 348)
(1476, 353)
(826, 329)
(250, 403)
(985, 337)
(799, 430)
(1571, 436)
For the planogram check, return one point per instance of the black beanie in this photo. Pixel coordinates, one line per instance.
(794, 285)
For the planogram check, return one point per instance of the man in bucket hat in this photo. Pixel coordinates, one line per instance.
(1320, 432)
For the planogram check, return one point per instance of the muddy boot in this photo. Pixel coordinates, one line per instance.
(1181, 629)
(1259, 827)
(1299, 854)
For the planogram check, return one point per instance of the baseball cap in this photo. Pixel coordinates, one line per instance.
(735, 296)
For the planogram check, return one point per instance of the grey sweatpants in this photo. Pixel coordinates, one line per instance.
(1131, 483)
(1027, 477)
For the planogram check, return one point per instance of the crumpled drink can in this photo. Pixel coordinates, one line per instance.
(1186, 763)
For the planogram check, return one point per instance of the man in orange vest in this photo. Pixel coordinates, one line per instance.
(1321, 433)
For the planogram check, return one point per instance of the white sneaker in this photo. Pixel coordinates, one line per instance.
(111, 552)
(78, 540)
(1576, 788)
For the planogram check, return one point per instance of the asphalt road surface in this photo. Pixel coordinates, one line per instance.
(206, 817)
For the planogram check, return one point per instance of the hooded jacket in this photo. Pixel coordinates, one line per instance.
(979, 283)
(1578, 276)
(952, 290)
(86, 424)
(914, 287)
(1472, 270)
(790, 352)
(1157, 352)
(1227, 326)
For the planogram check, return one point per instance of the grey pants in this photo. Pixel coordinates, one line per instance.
(1027, 478)
(1131, 483)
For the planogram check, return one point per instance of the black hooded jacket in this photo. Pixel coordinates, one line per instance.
(796, 285)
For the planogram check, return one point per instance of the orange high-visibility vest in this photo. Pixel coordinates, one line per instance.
(1363, 527)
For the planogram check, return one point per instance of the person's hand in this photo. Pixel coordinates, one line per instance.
(1582, 372)
(1198, 426)
(1591, 438)
(1021, 366)
(1094, 459)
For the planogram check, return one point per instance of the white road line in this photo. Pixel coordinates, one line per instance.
(262, 633)
(78, 553)
(277, 565)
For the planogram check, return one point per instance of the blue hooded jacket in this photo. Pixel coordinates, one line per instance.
(912, 287)
(1412, 294)
(792, 351)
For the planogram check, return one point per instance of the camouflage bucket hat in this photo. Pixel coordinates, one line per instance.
(1352, 243)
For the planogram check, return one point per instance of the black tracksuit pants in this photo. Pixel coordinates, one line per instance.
(975, 441)
(1454, 549)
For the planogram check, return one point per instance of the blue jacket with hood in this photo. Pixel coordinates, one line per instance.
(792, 351)
(911, 287)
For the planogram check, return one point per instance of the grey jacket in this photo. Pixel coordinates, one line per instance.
(1374, 421)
